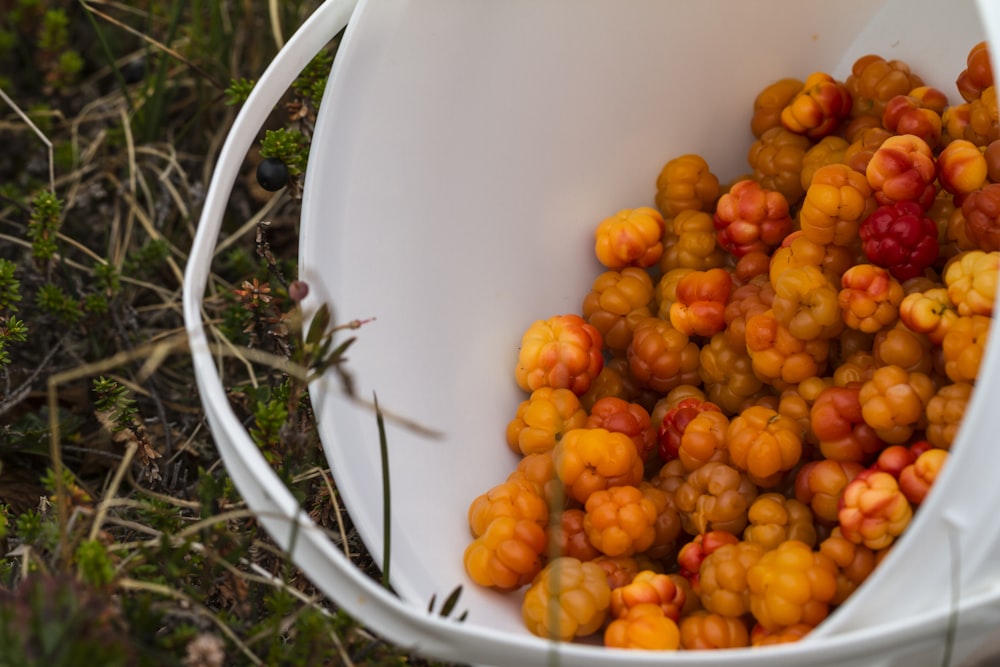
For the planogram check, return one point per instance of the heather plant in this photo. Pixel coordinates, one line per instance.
(124, 541)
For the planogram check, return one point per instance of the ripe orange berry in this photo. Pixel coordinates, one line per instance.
(617, 414)
(916, 479)
(690, 243)
(971, 280)
(631, 237)
(644, 626)
(704, 439)
(978, 73)
(776, 160)
(837, 201)
(723, 578)
(983, 127)
(764, 443)
(620, 520)
(569, 598)
(893, 402)
(945, 411)
(591, 459)
(797, 251)
(716, 496)
(869, 298)
(727, 372)
(791, 585)
(820, 484)
(507, 555)
(909, 114)
(701, 302)
(773, 519)
(854, 563)
(818, 108)
(693, 554)
(616, 300)
(929, 312)
(539, 471)
(568, 537)
(961, 167)
(649, 587)
(667, 526)
(746, 301)
(964, 345)
(563, 351)
(516, 498)
(661, 357)
(751, 218)
(873, 510)
(838, 422)
(873, 81)
(902, 169)
(543, 418)
(705, 630)
(806, 302)
(769, 103)
(899, 346)
(778, 357)
(831, 149)
(686, 183)
(981, 212)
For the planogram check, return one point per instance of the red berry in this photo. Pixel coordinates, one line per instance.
(901, 238)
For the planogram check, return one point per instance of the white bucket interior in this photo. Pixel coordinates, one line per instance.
(465, 152)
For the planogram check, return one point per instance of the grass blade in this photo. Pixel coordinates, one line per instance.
(386, 497)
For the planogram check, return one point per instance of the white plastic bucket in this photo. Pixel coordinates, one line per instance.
(463, 154)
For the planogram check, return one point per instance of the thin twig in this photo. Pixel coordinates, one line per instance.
(337, 512)
(255, 220)
(131, 525)
(162, 497)
(41, 135)
(63, 261)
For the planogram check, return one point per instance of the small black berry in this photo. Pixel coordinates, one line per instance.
(134, 71)
(272, 174)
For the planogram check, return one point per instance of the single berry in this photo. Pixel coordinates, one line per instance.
(133, 71)
(272, 174)
(901, 238)
(298, 290)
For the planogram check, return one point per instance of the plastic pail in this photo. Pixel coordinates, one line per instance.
(463, 154)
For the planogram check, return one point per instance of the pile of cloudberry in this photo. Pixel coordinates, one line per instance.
(762, 386)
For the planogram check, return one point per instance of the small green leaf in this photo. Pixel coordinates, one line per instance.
(451, 601)
(319, 325)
